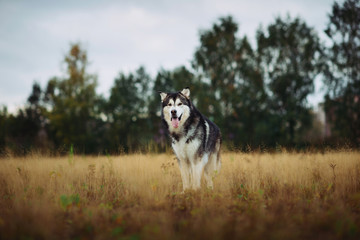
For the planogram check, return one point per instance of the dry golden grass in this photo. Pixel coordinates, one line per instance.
(256, 196)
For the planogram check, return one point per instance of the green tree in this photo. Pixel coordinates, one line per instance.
(36, 116)
(22, 132)
(250, 102)
(72, 100)
(3, 127)
(235, 96)
(127, 110)
(343, 73)
(216, 62)
(290, 54)
(35, 109)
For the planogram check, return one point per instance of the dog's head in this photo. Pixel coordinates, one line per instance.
(176, 108)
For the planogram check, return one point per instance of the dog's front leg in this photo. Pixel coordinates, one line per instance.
(197, 170)
(198, 165)
(185, 171)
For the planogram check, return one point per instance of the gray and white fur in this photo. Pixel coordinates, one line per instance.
(195, 139)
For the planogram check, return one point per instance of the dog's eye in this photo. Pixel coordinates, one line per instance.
(169, 104)
(179, 104)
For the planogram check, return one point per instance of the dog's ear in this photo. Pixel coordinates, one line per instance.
(162, 95)
(186, 92)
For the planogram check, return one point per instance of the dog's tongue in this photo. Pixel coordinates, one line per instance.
(175, 122)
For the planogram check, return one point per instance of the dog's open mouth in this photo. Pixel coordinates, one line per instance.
(175, 121)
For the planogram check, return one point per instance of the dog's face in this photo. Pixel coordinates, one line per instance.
(176, 108)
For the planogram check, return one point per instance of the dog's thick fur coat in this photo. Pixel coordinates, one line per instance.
(195, 139)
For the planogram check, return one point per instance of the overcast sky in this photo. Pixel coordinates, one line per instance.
(119, 36)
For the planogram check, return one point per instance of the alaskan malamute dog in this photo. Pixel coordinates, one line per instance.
(195, 139)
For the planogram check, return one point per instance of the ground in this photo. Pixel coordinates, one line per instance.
(256, 196)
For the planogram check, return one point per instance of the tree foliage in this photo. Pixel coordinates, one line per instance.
(72, 99)
(343, 70)
(290, 54)
(216, 61)
(127, 109)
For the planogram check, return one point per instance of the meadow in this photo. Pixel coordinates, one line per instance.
(284, 195)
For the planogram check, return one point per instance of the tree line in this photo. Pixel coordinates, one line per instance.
(257, 95)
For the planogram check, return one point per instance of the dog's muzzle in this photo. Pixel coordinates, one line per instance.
(175, 119)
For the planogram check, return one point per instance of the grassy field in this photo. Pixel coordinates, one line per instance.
(255, 196)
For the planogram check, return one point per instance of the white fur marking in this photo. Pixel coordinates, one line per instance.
(207, 131)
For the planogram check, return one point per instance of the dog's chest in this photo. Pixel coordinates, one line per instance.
(184, 150)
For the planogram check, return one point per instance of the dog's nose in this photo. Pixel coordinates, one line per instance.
(173, 112)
